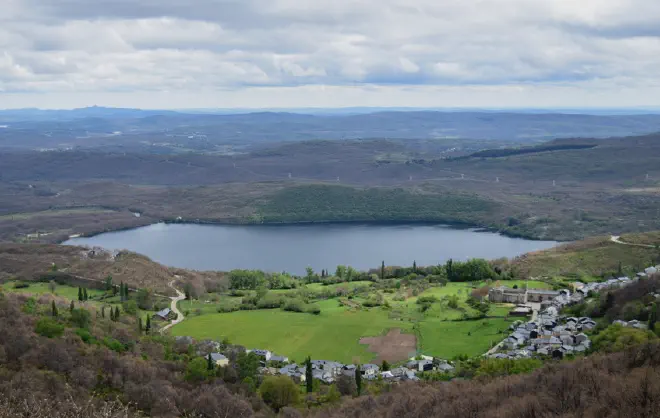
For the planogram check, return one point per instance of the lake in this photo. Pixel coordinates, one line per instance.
(322, 246)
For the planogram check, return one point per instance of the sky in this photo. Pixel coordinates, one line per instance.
(329, 53)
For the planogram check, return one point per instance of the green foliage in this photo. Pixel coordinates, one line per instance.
(309, 377)
(341, 203)
(247, 365)
(475, 269)
(144, 299)
(279, 391)
(85, 335)
(197, 370)
(504, 367)
(53, 310)
(80, 294)
(358, 380)
(130, 307)
(385, 366)
(246, 279)
(81, 318)
(617, 338)
(30, 306)
(47, 327)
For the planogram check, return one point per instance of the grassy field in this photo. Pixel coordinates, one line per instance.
(68, 292)
(446, 339)
(335, 333)
(332, 335)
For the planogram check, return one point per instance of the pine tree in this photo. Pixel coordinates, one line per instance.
(147, 328)
(385, 366)
(209, 363)
(139, 325)
(72, 306)
(382, 270)
(358, 380)
(309, 376)
(54, 309)
(80, 294)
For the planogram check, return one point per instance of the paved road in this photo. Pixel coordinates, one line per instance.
(179, 316)
(617, 239)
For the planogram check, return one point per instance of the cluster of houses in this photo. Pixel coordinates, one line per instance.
(550, 334)
(328, 371)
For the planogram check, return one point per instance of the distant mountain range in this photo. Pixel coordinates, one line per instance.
(194, 129)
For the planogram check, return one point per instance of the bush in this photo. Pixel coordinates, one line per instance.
(81, 317)
(279, 391)
(130, 307)
(114, 345)
(294, 305)
(422, 300)
(85, 335)
(47, 327)
(21, 285)
(313, 309)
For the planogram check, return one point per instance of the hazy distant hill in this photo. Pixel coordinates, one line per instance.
(91, 127)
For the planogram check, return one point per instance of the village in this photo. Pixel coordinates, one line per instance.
(546, 334)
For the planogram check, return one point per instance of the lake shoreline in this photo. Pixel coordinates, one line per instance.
(451, 224)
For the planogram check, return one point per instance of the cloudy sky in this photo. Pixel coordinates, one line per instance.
(329, 53)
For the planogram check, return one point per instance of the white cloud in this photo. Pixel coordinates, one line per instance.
(423, 52)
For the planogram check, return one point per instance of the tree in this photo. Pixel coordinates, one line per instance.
(187, 290)
(346, 385)
(247, 365)
(147, 328)
(196, 370)
(449, 269)
(414, 266)
(116, 313)
(108, 283)
(72, 306)
(144, 299)
(385, 366)
(653, 317)
(103, 311)
(210, 366)
(53, 309)
(139, 325)
(358, 380)
(52, 286)
(309, 376)
(80, 294)
(310, 274)
(85, 297)
(114, 290)
(121, 292)
(81, 317)
(382, 270)
(279, 391)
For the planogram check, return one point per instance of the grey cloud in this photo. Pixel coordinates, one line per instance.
(152, 45)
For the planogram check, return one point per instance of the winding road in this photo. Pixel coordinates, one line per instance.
(179, 316)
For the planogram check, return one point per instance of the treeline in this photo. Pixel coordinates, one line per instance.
(507, 152)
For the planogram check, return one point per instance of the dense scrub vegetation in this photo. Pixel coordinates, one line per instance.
(323, 203)
(506, 152)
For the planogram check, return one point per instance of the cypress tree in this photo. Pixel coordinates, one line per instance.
(385, 366)
(414, 266)
(653, 317)
(80, 294)
(139, 325)
(382, 270)
(102, 311)
(121, 291)
(209, 363)
(116, 313)
(85, 297)
(358, 380)
(147, 329)
(54, 309)
(309, 377)
(72, 306)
